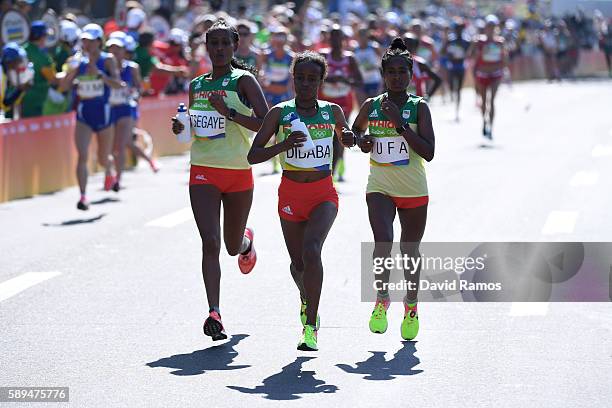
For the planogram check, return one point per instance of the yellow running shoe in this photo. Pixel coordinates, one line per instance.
(378, 320)
(308, 342)
(410, 324)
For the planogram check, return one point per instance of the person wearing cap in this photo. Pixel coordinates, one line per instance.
(150, 64)
(246, 52)
(171, 53)
(67, 46)
(276, 61)
(134, 21)
(490, 58)
(92, 79)
(12, 84)
(44, 71)
(124, 102)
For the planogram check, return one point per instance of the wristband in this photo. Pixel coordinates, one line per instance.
(231, 114)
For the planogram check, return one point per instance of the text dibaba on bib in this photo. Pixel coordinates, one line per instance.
(318, 157)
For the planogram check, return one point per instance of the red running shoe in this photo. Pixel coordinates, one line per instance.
(109, 182)
(246, 262)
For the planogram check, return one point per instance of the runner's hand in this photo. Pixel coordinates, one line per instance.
(177, 126)
(365, 143)
(347, 138)
(217, 102)
(295, 139)
(391, 111)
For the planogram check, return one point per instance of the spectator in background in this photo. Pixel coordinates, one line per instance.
(134, 21)
(67, 45)
(171, 53)
(199, 62)
(605, 43)
(149, 63)
(13, 83)
(44, 71)
(246, 52)
(25, 6)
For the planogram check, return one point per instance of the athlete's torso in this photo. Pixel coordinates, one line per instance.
(219, 142)
(395, 169)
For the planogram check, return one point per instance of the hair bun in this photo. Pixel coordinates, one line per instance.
(398, 44)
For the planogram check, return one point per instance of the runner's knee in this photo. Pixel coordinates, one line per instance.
(211, 245)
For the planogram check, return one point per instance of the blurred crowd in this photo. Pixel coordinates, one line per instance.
(168, 43)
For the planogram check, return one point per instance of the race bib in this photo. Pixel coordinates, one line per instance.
(277, 73)
(492, 53)
(336, 89)
(456, 51)
(120, 96)
(90, 88)
(207, 124)
(392, 150)
(318, 157)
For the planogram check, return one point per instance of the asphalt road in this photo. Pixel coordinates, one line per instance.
(110, 302)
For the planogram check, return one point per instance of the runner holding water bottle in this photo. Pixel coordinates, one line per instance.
(93, 77)
(400, 138)
(225, 106)
(307, 199)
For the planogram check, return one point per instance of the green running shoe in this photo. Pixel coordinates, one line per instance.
(410, 324)
(378, 320)
(308, 342)
(303, 316)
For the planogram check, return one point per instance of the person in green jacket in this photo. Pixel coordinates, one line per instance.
(44, 71)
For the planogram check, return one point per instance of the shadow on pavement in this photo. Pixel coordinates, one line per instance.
(215, 358)
(289, 383)
(105, 200)
(75, 222)
(378, 368)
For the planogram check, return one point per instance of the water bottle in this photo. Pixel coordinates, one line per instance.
(183, 117)
(298, 126)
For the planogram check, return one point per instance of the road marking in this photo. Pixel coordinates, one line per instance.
(172, 219)
(601, 150)
(20, 283)
(529, 309)
(584, 178)
(560, 222)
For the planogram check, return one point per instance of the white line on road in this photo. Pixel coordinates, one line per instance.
(20, 283)
(172, 219)
(560, 222)
(584, 178)
(601, 151)
(529, 309)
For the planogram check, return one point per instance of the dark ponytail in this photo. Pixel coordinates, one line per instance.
(397, 49)
(222, 25)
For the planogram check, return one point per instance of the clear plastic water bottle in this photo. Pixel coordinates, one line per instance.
(298, 126)
(183, 116)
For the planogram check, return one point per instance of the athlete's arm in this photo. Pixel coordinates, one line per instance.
(437, 81)
(249, 87)
(343, 133)
(137, 78)
(360, 126)
(113, 79)
(423, 142)
(259, 153)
